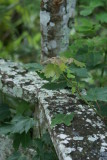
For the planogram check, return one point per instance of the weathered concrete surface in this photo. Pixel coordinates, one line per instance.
(5, 147)
(85, 139)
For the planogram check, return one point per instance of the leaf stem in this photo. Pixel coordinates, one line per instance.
(79, 93)
(91, 106)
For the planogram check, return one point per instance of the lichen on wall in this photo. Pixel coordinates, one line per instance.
(84, 139)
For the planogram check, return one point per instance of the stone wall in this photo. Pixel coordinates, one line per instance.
(84, 139)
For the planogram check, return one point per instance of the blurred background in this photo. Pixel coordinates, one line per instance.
(20, 35)
(19, 30)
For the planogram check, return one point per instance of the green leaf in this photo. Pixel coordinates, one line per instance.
(96, 94)
(49, 155)
(6, 129)
(80, 72)
(23, 139)
(55, 86)
(90, 8)
(16, 156)
(70, 75)
(87, 11)
(33, 66)
(38, 144)
(42, 76)
(102, 17)
(78, 64)
(52, 71)
(73, 90)
(90, 59)
(102, 108)
(49, 71)
(46, 139)
(62, 118)
(62, 66)
(4, 112)
(22, 108)
(16, 141)
(22, 124)
(44, 144)
(36, 157)
(86, 27)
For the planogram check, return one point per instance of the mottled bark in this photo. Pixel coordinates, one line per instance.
(56, 17)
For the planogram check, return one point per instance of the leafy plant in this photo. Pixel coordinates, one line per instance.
(69, 73)
(4, 112)
(96, 94)
(17, 156)
(33, 66)
(21, 124)
(23, 139)
(18, 124)
(62, 118)
(44, 144)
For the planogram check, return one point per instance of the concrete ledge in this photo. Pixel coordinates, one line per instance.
(85, 139)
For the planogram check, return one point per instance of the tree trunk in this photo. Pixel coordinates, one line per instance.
(56, 17)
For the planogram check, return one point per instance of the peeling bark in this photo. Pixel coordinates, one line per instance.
(56, 17)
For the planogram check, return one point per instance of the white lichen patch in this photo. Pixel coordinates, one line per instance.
(17, 91)
(78, 112)
(68, 158)
(100, 124)
(81, 107)
(65, 151)
(44, 17)
(30, 88)
(80, 149)
(73, 149)
(68, 139)
(78, 138)
(92, 138)
(64, 142)
(62, 136)
(103, 149)
(102, 136)
(104, 144)
(89, 121)
(52, 24)
(52, 44)
(68, 150)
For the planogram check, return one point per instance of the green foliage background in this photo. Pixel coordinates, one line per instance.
(89, 39)
(20, 34)
(19, 30)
